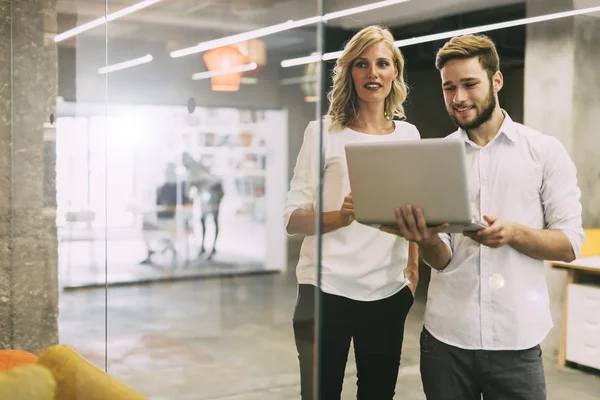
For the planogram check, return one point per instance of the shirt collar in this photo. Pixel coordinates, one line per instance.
(508, 128)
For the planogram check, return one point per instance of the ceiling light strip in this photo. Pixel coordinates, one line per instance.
(302, 60)
(209, 74)
(102, 20)
(493, 27)
(360, 9)
(445, 35)
(127, 64)
(269, 30)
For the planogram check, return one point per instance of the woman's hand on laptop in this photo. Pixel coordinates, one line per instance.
(412, 226)
(347, 211)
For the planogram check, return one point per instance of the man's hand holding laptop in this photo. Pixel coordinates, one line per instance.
(412, 226)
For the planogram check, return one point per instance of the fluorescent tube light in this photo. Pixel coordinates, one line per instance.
(493, 27)
(284, 26)
(331, 56)
(81, 28)
(445, 35)
(209, 74)
(302, 60)
(127, 64)
(359, 9)
(102, 20)
(213, 44)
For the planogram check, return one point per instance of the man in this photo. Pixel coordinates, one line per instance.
(209, 190)
(488, 307)
(161, 225)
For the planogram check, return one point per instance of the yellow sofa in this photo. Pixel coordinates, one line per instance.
(60, 373)
(27, 382)
(591, 246)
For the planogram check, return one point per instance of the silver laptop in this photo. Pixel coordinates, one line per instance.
(430, 173)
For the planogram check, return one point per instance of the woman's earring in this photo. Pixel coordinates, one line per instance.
(385, 114)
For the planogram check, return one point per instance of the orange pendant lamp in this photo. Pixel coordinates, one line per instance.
(224, 58)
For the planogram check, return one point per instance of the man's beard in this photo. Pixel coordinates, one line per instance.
(482, 117)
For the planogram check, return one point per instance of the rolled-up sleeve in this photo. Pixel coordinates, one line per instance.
(303, 186)
(561, 195)
(447, 239)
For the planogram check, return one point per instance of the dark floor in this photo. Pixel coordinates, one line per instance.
(229, 338)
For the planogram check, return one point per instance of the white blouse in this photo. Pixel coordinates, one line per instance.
(358, 262)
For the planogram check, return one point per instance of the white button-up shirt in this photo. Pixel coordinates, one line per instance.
(358, 262)
(497, 299)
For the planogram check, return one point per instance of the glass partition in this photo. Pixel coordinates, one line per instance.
(174, 203)
(198, 128)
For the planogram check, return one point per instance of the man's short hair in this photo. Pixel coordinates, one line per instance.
(469, 46)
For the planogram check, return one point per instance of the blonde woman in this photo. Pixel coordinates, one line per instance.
(368, 276)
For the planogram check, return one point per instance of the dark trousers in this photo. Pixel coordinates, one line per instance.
(451, 373)
(377, 330)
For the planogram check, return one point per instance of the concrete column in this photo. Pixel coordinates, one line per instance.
(28, 240)
(562, 99)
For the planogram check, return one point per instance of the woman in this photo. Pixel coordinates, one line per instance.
(368, 276)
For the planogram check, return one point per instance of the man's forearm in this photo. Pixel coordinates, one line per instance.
(412, 266)
(305, 222)
(435, 253)
(543, 244)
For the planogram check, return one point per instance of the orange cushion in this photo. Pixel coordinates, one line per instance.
(13, 358)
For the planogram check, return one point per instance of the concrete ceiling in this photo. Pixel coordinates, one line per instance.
(579, 4)
(244, 14)
(412, 11)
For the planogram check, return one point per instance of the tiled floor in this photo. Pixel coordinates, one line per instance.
(229, 339)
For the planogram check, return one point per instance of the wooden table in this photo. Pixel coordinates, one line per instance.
(575, 271)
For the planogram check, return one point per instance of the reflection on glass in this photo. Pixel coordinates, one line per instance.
(196, 162)
(147, 148)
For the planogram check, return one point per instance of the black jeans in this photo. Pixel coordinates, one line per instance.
(377, 329)
(451, 373)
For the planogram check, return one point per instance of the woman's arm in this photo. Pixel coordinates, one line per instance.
(302, 221)
(299, 213)
(305, 222)
(412, 267)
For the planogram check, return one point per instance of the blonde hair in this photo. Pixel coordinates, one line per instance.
(469, 46)
(343, 108)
